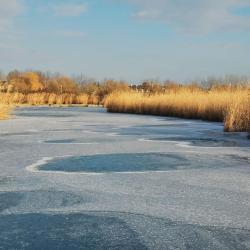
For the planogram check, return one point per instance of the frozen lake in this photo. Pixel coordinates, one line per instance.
(81, 178)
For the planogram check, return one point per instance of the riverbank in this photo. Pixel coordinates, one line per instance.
(230, 107)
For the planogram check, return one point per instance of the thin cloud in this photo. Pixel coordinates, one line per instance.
(148, 14)
(70, 10)
(194, 15)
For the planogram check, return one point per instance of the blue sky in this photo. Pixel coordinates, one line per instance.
(127, 39)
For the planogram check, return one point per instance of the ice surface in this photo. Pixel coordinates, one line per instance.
(113, 231)
(200, 198)
(132, 163)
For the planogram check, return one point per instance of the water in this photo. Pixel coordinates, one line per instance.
(80, 178)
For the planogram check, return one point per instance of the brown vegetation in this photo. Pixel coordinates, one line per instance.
(36, 88)
(43, 98)
(238, 114)
(230, 105)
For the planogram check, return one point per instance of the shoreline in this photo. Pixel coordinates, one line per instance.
(6, 111)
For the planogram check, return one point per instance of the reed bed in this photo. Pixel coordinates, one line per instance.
(231, 107)
(238, 115)
(43, 98)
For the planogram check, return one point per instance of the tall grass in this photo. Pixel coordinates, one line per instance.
(43, 98)
(238, 114)
(4, 112)
(232, 107)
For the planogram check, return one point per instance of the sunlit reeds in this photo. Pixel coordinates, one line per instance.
(238, 114)
(231, 106)
(4, 112)
(43, 98)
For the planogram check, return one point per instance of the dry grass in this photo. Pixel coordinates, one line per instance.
(229, 106)
(4, 112)
(238, 115)
(43, 98)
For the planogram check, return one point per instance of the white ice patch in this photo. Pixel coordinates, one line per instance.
(182, 144)
(43, 161)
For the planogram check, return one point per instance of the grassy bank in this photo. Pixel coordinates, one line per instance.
(228, 106)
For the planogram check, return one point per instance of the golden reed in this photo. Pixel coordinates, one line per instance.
(229, 106)
(4, 112)
(43, 98)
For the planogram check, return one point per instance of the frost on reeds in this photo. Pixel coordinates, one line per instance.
(231, 106)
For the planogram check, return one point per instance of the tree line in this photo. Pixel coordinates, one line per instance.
(36, 81)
